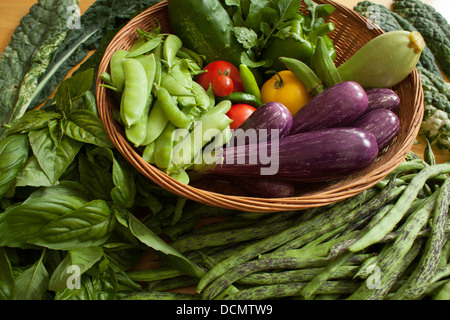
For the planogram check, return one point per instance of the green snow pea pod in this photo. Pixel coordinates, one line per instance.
(170, 108)
(116, 67)
(210, 125)
(158, 54)
(137, 133)
(149, 152)
(181, 176)
(157, 121)
(146, 47)
(201, 96)
(135, 95)
(170, 48)
(149, 64)
(171, 84)
(164, 146)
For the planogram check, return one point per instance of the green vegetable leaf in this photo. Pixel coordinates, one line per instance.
(87, 226)
(33, 282)
(32, 175)
(53, 159)
(146, 236)
(83, 259)
(101, 17)
(29, 53)
(13, 155)
(32, 120)
(7, 282)
(97, 180)
(86, 127)
(247, 37)
(21, 222)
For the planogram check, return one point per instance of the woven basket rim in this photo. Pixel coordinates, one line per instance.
(248, 203)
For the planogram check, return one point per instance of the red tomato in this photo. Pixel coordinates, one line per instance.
(220, 67)
(222, 85)
(239, 113)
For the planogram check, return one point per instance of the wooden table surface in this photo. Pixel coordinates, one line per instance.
(12, 11)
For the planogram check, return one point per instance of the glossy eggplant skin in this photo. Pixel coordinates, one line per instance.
(266, 188)
(382, 123)
(382, 98)
(271, 116)
(336, 106)
(318, 155)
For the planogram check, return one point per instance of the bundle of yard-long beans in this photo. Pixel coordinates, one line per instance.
(389, 242)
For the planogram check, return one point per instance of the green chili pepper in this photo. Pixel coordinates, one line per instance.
(249, 81)
(173, 113)
(242, 97)
(134, 96)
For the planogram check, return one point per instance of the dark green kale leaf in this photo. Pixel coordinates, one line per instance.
(433, 27)
(29, 53)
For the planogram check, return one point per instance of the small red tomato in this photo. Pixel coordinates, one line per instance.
(222, 85)
(239, 113)
(220, 67)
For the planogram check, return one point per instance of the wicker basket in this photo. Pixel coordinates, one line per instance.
(351, 33)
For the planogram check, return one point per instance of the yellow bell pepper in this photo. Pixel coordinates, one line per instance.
(284, 87)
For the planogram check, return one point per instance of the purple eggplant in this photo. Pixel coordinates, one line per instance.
(382, 98)
(336, 106)
(382, 123)
(271, 116)
(266, 188)
(318, 155)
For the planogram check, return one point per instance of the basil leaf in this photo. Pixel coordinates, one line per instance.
(33, 282)
(82, 258)
(32, 175)
(32, 120)
(53, 159)
(63, 188)
(20, 222)
(165, 251)
(89, 225)
(13, 155)
(84, 126)
(97, 180)
(124, 191)
(7, 282)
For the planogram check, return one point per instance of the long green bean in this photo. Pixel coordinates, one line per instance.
(297, 275)
(424, 272)
(291, 289)
(279, 239)
(390, 220)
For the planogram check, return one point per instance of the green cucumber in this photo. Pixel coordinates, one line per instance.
(206, 28)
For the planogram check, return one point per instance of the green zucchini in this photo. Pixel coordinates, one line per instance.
(206, 28)
(385, 60)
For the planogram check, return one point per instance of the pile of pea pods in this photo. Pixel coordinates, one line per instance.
(166, 115)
